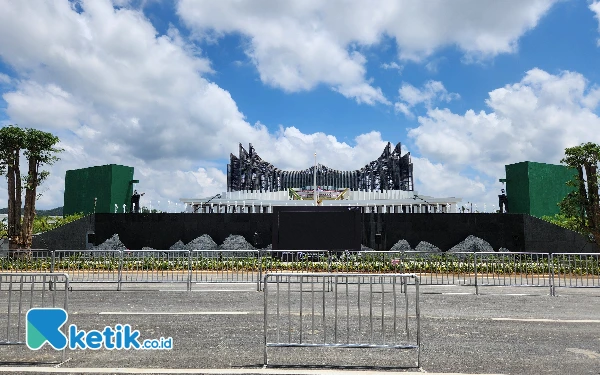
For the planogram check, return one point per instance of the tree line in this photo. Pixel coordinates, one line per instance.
(580, 209)
(39, 149)
(43, 223)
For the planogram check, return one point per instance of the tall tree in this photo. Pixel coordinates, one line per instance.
(585, 158)
(12, 141)
(39, 150)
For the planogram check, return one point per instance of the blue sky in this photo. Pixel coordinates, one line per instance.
(171, 88)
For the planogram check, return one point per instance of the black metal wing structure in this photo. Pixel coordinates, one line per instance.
(391, 171)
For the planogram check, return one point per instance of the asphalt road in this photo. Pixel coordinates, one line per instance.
(219, 328)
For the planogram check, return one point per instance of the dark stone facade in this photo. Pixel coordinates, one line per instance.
(516, 232)
(160, 231)
(73, 236)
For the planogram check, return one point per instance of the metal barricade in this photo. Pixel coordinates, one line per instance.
(295, 261)
(576, 270)
(88, 266)
(22, 291)
(34, 260)
(367, 261)
(247, 266)
(362, 311)
(437, 268)
(155, 266)
(231, 266)
(513, 269)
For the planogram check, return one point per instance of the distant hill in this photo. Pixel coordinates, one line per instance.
(58, 211)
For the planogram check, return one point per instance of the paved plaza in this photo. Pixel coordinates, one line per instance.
(218, 328)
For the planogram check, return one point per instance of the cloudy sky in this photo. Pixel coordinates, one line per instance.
(171, 87)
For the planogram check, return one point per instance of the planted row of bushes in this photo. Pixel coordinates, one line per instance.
(372, 263)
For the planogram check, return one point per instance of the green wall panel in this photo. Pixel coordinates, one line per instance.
(121, 187)
(109, 184)
(548, 187)
(517, 188)
(536, 188)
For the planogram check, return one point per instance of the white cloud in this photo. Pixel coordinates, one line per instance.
(431, 92)
(433, 65)
(595, 7)
(291, 149)
(297, 45)
(392, 65)
(116, 92)
(4, 78)
(592, 99)
(534, 120)
(54, 108)
(436, 179)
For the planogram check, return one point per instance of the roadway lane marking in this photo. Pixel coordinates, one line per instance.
(178, 313)
(457, 293)
(209, 290)
(549, 320)
(588, 353)
(222, 283)
(260, 370)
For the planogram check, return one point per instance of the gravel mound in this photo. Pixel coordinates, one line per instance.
(234, 242)
(179, 245)
(148, 248)
(364, 248)
(113, 243)
(401, 245)
(472, 244)
(426, 246)
(204, 242)
(503, 250)
(269, 247)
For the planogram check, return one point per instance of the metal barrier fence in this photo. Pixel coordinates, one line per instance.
(481, 269)
(144, 266)
(513, 269)
(88, 266)
(233, 266)
(34, 260)
(248, 266)
(362, 311)
(155, 266)
(440, 268)
(332, 261)
(20, 292)
(576, 270)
